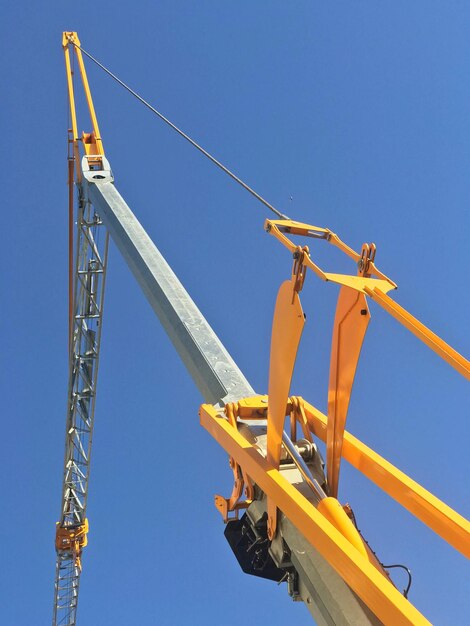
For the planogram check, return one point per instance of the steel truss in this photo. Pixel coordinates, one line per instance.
(89, 282)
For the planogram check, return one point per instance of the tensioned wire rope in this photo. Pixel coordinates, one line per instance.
(184, 135)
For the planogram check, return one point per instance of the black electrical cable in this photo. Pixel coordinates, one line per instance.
(405, 591)
(184, 135)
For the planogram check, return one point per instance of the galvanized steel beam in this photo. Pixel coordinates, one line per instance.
(212, 368)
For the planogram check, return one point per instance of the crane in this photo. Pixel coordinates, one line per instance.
(282, 520)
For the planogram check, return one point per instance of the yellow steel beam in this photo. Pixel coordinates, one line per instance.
(70, 39)
(446, 352)
(68, 69)
(372, 587)
(73, 114)
(89, 99)
(443, 520)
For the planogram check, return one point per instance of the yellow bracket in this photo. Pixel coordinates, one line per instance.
(370, 584)
(234, 504)
(351, 321)
(281, 228)
(71, 540)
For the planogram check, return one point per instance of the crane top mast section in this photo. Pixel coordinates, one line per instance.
(289, 506)
(87, 275)
(92, 142)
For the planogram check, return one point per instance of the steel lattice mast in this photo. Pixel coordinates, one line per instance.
(88, 277)
(89, 281)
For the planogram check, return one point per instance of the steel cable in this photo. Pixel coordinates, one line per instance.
(184, 135)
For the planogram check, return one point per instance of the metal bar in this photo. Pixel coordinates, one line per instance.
(213, 370)
(317, 491)
(433, 341)
(443, 520)
(385, 601)
(70, 234)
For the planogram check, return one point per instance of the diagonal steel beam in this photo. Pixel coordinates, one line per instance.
(212, 368)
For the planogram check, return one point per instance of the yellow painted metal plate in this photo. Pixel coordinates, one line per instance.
(351, 321)
(288, 324)
(359, 283)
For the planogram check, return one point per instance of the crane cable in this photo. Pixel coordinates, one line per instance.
(184, 135)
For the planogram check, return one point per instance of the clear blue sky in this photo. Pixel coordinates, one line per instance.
(360, 112)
